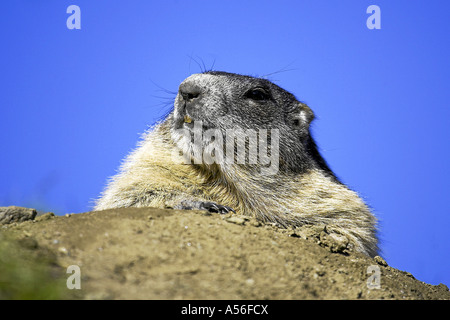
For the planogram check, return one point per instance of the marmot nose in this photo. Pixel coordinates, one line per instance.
(189, 91)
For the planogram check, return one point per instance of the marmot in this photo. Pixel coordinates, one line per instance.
(170, 168)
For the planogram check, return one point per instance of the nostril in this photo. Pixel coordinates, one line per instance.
(189, 92)
(189, 95)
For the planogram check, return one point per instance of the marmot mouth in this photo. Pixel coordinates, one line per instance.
(187, 119)
(183, 119)
(196, 125)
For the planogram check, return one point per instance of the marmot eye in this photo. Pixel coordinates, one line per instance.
(258, 94)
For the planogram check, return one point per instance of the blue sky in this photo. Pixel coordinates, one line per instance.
(74, 102)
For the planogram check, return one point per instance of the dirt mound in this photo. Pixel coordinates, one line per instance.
(146, 253)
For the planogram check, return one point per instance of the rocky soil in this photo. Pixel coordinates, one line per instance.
(146, 253)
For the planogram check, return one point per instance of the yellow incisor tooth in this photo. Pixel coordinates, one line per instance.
(187, 119)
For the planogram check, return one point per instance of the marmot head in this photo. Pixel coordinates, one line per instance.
(221, 103)
(226, 100)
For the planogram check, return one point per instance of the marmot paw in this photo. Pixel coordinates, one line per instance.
(200, 205)
(214, 207)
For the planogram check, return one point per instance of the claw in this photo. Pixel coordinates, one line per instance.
(217, 208)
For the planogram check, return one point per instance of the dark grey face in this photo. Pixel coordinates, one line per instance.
(226, 101)
(220, 102)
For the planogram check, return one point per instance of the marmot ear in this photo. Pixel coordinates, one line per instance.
(304, 115)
